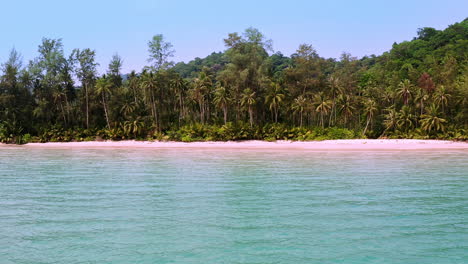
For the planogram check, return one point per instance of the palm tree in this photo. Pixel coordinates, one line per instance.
(200, 90)
(404, 90)
(274, 98)
(441, 97)
(128, 108)
(322, 106)
(370, 108)
(405, 118)
(388, 97)
(134, 127)
(221, 100)
(103, 88)
(299, 105)
(420, 98)
(149, 83)
(335, 90)
(59, 94)
(133, 84)
(197, 94)
(178, 85)
(391, 120)
(431, 120)
(248, 100)
(346, 107)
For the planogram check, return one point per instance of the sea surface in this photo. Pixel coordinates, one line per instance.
(232, 206)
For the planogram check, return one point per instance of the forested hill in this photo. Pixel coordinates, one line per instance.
(215, 61)
(418, 89)
(419, 54)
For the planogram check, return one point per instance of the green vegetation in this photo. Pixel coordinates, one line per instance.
(418, 89)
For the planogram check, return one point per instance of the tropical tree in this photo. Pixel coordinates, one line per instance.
(390, 120)
(370, 108)
(179, 85)
(59, 95)
(103, 89)
(322, 106)
(115, 66)
(274, 98)
(346, 107)
(431, 120)
(299, 105)
(86, 72)
(442, 97)
(149, 83)
(201, 87)
(405, 90)
(221, 100)
(159, 52)
(335, 90)
(405, 118)
(248, 101)
(420, 98)
(128, 108)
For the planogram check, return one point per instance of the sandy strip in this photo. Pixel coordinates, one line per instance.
(326, 145)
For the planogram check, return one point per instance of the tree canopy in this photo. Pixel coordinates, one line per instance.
(417, 89)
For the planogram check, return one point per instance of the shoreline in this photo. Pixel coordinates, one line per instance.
(326, 145)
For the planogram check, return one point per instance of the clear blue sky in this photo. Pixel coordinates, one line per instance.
(197, 28)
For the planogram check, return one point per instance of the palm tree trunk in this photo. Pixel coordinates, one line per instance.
(63, 113)
(225, 114)
(68, 107)
(301, 119)
(105, 110)
(251, 116)
(87, 106)
(367, 124)
(321, 119)
(422, 106)
(331, 113)
(201, 111)
(276, 114)
(181, 109)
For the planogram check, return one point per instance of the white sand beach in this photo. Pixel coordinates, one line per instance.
(326, 145)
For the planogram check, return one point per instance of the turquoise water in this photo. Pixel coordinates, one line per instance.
(240, 206)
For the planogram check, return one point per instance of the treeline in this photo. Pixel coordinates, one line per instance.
(418, 89)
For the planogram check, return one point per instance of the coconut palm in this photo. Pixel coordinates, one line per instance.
(133, 128)
(274, 98)
(405, 118)
(346, 107)
(420, 98)
(197, 94)
(322, 106)
(199, 91)
(133, 80)
(442, 97)
(370, 108)
(149, 84)
(103, 89)
(391, 120)
(221, 100)
(431, 120)
(404, 90)
(178, 86)
(299, 105)
(128, 108)
(248, 100)
(59, 94)
(335, 90)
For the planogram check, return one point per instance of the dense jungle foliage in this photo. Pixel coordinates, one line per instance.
(418, 89)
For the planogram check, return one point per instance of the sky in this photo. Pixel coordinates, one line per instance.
(197, 28)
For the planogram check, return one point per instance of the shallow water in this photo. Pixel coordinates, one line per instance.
(239, 206)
